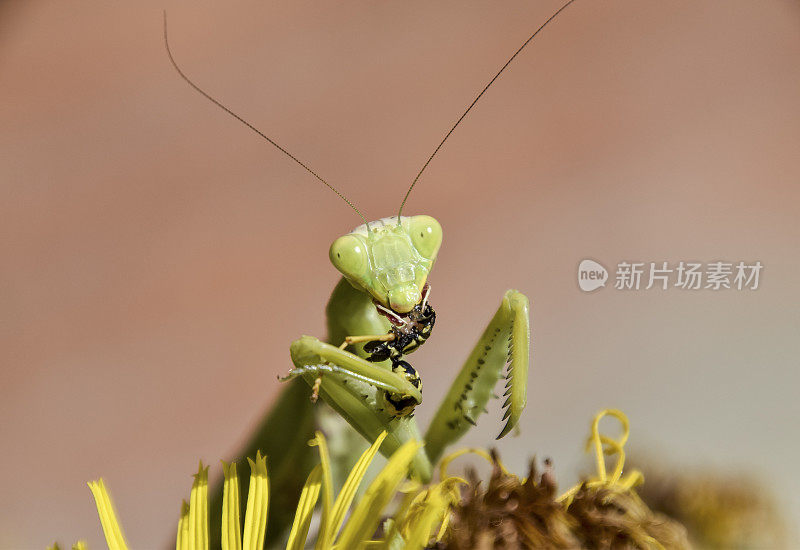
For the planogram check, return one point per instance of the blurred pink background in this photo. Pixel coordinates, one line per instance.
(158, 258)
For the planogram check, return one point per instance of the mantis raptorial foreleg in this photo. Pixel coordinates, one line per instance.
(313, 358)
(359, 391)
(504, 345)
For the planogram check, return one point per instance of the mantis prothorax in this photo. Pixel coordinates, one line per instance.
(379, 312)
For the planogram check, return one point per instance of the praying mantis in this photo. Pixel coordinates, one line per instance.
(379, 313)
(381, 304)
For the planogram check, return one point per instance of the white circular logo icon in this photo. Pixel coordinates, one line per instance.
(591, 275)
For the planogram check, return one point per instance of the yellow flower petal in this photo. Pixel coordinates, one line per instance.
(255, 519)
(393, 538)
(365, 517)
(348, 492)
(430, 509)
(325, 527)
(80, 545)
(182, 541)
(108, 517)
(198, 510)
(305, 509)
(231, 528)
(604, 445)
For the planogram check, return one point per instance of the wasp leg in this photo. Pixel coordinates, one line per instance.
(358, 339)
(502, 351)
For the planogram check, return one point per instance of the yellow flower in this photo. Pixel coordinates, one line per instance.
(334, 531)
(453, 513)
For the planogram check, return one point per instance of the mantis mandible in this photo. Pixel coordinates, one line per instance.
(380, 312)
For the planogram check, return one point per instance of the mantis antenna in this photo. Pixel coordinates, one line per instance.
(471, 105)
(256, 130)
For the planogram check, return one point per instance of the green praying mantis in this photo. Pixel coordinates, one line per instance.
(377, 315)
(380, 310)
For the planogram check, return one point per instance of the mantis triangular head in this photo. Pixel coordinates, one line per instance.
(389, 261)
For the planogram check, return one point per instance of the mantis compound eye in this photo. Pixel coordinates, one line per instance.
(349, 255)
(426, 234)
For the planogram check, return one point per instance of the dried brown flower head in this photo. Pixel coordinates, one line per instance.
(603, 512)
(510, 513)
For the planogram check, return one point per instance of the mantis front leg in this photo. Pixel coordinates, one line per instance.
(504, 344)
(314, 359)
(363, 393)
(352, 386)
